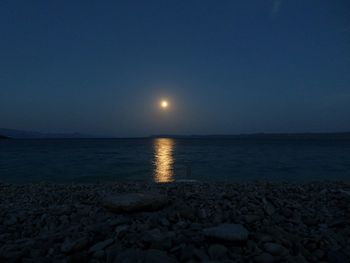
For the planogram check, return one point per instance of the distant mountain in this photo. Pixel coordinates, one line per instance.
(19, 134)
(270, 136)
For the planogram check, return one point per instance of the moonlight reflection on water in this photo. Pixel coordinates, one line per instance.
(163, 153)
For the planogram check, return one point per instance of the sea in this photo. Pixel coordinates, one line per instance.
(164, 160)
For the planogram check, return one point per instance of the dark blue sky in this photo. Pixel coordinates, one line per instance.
(100, 67)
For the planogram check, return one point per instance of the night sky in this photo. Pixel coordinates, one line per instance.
(226, 67)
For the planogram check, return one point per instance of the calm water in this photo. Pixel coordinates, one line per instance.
(164, 160)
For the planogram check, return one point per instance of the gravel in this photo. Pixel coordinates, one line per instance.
(175, 222)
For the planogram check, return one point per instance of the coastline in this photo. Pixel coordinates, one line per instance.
(175, 222)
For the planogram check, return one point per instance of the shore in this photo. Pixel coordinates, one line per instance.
(175, 222)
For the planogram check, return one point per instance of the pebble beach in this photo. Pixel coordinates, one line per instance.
(175, 222)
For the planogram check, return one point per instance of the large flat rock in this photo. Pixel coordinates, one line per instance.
(133, 202)
(227, 232)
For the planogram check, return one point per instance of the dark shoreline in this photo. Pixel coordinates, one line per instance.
(33, 135)
(284, 222)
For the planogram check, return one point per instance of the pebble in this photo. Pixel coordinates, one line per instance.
(274, 249)
(197, 222)
(132, 202)
(264, 258)
(227, 232)
(74, 246)
(217, 252)
(99, 254)
(140, 256)
(101, 245)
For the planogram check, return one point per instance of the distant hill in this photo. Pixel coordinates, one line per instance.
(268, 136)
(19, 134)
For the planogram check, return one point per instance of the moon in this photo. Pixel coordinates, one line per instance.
(164, 104)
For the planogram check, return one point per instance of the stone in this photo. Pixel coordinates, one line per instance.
(274, 249)
(112, 252)
(344, 193)
(101, 245)
(268, 207)
(186, 253)
(11, 251)
(202, 213)
(121, 229)
(82, 256)
(318, 253)
(11, 220)
(53, 223)
(227, 232)
(264, 237)
(295, 259)
(157, 239)
(69, 246)
(118, 221)
(200, 254)
(264, 258)
(251, 218)
(141, 256)
(37, 252)
(310, 221)
(99, 254)
(36, 260)
(163, 221)
(336, 256)
(217, 252)
(134, 202)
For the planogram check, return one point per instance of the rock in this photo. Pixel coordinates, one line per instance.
(318, 253)
(274, 249)
(338, 223)
(251, 218)
(200, 254)
(101, 245)
(121, 229)
(294, 223)
(11, 220)
(202, 213)
(112, 252)
(158, 239)
(344, 193)
(268, 207)
(118, 221)
(336, 256)
(11, 251)
(99, 254)
(264, 258)
(134, 202)
(323, 191)
(37, 253)
(69, 247)
(99, 229)
(346, 250)
(79, 257)
(217, 252)
(36, 260)
(295, 259)
(140, 256)
(310, 221)
(163, 221)
(185, 211)
(227, 232)
(186, 253)
(263, 237)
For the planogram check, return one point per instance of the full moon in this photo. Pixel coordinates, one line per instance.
(164, 104)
